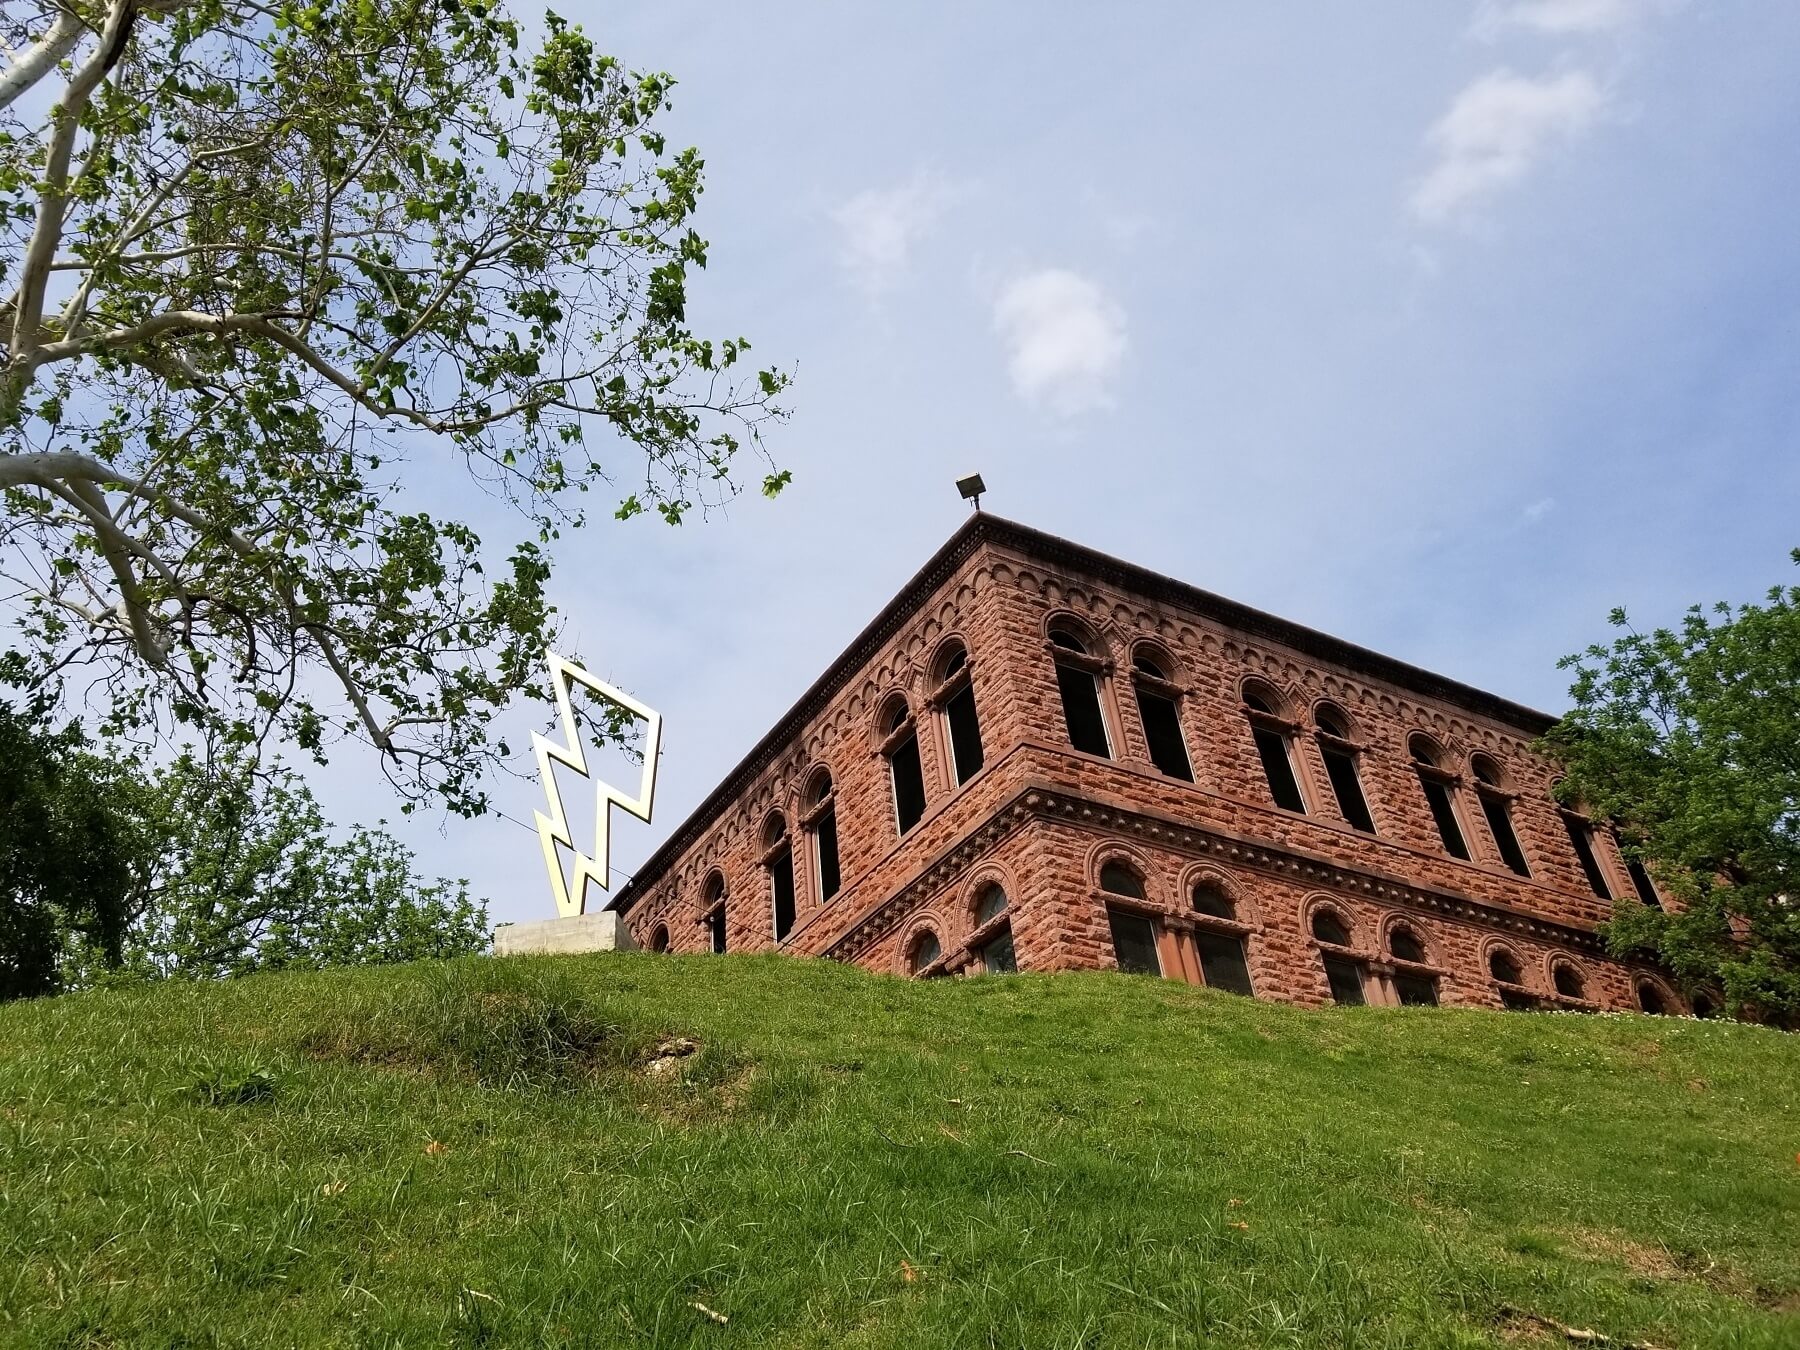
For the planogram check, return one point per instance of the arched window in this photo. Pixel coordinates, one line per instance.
(1504, 967)
(924, 950)
(1439, 788)
(1078, 681)
(1211, 900)
(822, 828)
(1224, 959)
(713, 906)
(1343, 973)
(904, 768)
(659, 939)
(1704, 1006)
(1581, 838)
(1161, 717)
(1338, 750)
(778, 857)
(1568, 980)
(1272, 733)
(1414, 988)
(1650, 999)
(957, 689)
(1495, 805)
(1327, 927)
(996, 953)
(1120, 879)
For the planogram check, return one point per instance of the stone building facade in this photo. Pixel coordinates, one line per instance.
(1044, 758)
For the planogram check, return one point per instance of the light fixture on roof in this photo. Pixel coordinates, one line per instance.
(971, 488)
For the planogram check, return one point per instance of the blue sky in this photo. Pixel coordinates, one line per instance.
(1442, 327)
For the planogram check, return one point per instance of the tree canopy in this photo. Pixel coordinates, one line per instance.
(1688, 738)
(271, 267)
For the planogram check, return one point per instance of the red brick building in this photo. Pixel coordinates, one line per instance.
(1041, 757)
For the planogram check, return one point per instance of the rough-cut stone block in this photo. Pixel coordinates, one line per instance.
(563, 937)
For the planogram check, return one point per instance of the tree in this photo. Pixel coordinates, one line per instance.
(270, 259)
(68, 847)
(245, 874)
(1689, 739)
(206, 867)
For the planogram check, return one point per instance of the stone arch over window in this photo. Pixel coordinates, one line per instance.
(899, 746)
(1118, 877)
(1439, 786)
(1653, 996)
(1220, 937)
(989, 901)
(1331, 927)
(1567, 978)
(1412, 950)
(921, 950)
(1081, 665)
(818, 801)
(713, 910)
(1155, 682)
(1215, 885)
(1506, 969)
(954, 694)
(1272, 732)
(659, 938)
(778, 861)
(1706, 1003)
(1112, 859)
(1495, 796)
(1340, 747)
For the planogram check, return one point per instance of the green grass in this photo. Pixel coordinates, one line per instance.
(477, 1153)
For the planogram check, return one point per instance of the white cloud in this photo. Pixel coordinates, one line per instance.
(1537, 510)
(1557, 16)
(1065, 341)
(1494, 132)
(877, 229)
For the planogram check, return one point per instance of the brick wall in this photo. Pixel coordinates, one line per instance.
(1041, 817)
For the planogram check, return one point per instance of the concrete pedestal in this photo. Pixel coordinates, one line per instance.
(562, 937)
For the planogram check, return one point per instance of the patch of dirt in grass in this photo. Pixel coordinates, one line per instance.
(1640, 1258)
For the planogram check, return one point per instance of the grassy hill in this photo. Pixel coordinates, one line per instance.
(519, 1153)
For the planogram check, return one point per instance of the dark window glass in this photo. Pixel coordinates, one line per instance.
(1640, 881)
(1327, 927)
(1405, 946)
(1283, 786)
(997, 957)
(825, 845)
(1437, 794)
(1252, 699)
(926, 949)
(1121, 880)
(1162, 728)
(1703, 1006)
(659, 940)
(1568, 981)
(715, 929)
(1068, 640)
(1581, 835)
(1514, 1000)
(1346, 981)
(1209, 899)
(1416, 991)
(993, 903)
(1331, 724)
(781, 888)
(1222, 962)
(1650, 1000)
(955, 663)
(965, 733)
(1340, 765)
(1503, 968)
(1500, 822)
(1081, 710)
(909, 783)
(1134, 942)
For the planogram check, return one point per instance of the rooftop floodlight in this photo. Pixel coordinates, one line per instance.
(971, 488)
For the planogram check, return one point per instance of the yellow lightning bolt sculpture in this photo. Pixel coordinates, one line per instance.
(553, 829)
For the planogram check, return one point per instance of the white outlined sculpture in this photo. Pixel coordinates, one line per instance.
(553, 829)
